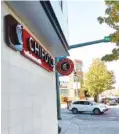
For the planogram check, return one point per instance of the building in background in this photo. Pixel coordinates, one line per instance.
(70, 85)
(28, 92)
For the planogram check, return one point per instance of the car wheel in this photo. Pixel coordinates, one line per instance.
(96, 111)
(74, 111)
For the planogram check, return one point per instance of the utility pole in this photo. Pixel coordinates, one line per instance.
(105, 40)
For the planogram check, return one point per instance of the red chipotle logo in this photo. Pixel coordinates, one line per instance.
(33, 51)
(65, 66)
(20, 40)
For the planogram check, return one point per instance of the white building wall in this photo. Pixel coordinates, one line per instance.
(28, 94)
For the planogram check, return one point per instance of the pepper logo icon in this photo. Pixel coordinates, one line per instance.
(13, 33)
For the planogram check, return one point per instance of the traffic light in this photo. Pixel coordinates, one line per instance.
(107, 39)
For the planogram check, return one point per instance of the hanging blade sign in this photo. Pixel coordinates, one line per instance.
(65, 66)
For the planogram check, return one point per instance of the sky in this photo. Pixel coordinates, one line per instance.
(83, 27)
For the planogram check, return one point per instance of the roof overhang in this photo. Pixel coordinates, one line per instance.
(40, 18)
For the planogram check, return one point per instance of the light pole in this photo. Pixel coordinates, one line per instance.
(105, 40)
(57, 91)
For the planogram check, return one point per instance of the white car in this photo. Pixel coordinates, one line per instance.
(87, 106)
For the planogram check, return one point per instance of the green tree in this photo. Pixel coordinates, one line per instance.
(117, 94)
(98, 79)
(112, 20)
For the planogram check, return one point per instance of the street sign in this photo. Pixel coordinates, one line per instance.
(65, 66)
(107, 39)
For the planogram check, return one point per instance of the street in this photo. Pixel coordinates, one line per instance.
(87, 123)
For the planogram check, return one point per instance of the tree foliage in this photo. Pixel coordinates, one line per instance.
(112, 20)
(117, 94)
(98, 78)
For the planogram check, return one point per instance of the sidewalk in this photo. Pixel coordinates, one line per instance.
(69, 124)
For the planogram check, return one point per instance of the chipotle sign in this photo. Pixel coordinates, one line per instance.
(33, 51)
(21, 40)
(65, 66)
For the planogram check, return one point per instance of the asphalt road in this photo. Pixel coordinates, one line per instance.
(87, 123)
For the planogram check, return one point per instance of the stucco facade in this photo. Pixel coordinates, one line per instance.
(28, 92)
